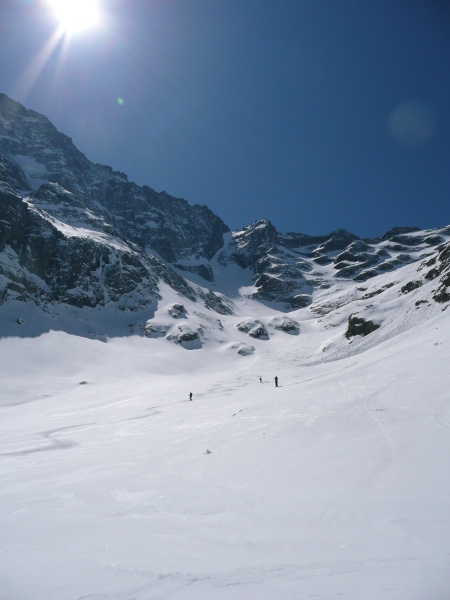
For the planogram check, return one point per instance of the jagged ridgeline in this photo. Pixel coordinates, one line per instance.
(78, 235)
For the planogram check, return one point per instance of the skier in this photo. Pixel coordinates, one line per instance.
(260, 380)
(276, 381)
(190, 396)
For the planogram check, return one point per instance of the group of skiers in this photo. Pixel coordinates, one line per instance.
(260, 381)
(276, 381)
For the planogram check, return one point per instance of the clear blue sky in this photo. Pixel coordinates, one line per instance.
(315, 114)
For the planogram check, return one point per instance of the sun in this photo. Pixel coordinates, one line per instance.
(75, 16)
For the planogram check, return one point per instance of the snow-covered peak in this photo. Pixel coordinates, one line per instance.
(79, 236)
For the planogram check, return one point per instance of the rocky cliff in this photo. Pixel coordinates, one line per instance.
(74, 233)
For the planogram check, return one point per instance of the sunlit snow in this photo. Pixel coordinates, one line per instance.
(114, 485)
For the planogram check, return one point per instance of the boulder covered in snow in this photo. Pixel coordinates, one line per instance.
(246, 350)
(285, 324)
(177, 310)
(187, 336)
(239, 348)
(253, 328)
(155, 330)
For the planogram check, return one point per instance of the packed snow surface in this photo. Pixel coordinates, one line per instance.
(113, 485)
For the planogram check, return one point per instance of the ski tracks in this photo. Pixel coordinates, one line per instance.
(287, 581)
(348, 510)
(56, 444)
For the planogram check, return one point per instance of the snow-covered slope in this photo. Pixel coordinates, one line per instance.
(113, 485)
(117, 301)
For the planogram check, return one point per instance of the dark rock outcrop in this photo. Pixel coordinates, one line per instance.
(204, 271)
(177, 311)
(442, 293)
(359, 326)
(410, 286)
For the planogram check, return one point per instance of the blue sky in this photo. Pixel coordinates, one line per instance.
(315, 114)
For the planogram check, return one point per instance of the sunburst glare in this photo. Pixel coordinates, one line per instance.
(75, 16)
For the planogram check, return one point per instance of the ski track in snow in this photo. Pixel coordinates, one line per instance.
(185, 585)
(56, 444)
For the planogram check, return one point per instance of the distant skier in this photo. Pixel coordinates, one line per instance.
(190, 396)
(260, 380)
(276, 381)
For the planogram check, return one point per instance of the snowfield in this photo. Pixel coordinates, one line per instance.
(117, 302)
(335, 485)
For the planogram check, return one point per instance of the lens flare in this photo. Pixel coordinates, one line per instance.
(76, 15)
(412, 123)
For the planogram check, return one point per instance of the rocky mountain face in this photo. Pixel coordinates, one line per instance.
(79, 233)
(74, 233)
(288, 268)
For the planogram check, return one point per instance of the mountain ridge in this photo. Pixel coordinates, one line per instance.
(75, 235)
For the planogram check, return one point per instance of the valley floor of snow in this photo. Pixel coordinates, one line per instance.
(114, 486)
